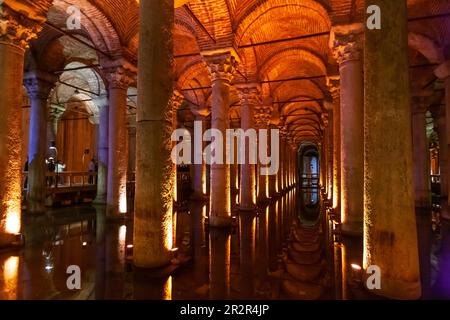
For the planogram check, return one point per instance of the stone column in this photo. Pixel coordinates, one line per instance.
(273, 191)
(177, 101)
(249, 99)
(422, 183)
(39, 86)
(16, 30)
(439, 115)
(281, 182)
(199, 179)
(333, 86)
(102, 150)
(390, 232)
(154, 166)
(54, 115)
(346, 45)
(443, 73)
(263, 114)
(120, 77)
(221, 67)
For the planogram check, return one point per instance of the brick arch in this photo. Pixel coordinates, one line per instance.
(100, 29)
(216, 17)
(195, 75)
(273, 9)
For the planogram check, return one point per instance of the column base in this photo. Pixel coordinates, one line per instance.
(220, 222)
(396, 289)
(8, 240)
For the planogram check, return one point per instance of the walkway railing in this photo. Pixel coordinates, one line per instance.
(67, 179)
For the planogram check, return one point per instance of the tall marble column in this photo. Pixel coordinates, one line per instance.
(102, 150)
(120, 76)
(249, 99)
(390, 232)
(199, 178)
(333, 86)
(422, 182)
(54, 115)
(39, 86)
(177, 101)
(281, 181)
(443, 73)
(16, 30)
(273, 178)
(346, 44)
(263, 114)
(221, 68)
(439, 115)
(154, 167)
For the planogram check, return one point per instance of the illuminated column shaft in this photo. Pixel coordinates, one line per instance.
(263, 114)
(330, 155)
(440, 124)
(248, 95)
(422, 183)
(177, 101)
(16, 31)
(39, 86)
(119, 81)
(154, 166)
(272, 178)
(221, 67)
(390, 231)
(346, 43)
(443, 72)
(199, 181)
(281, 184)
(102, 150)
(333, 85)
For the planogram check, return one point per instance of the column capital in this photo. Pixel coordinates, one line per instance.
(21, 21)
(334, 86)
(346, 42)
(248, 92)
(39, 84)
(263, 113)
(443, 70)
(221, 64)
(177, 99)
(120, 73)
(325, 119)
(55, 112)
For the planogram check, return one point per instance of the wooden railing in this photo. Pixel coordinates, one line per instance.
(68, 179)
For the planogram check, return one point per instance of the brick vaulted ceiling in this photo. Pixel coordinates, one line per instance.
(112, 26)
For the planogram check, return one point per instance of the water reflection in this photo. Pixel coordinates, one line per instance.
(246, 262)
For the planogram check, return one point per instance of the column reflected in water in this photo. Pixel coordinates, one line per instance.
(219, 263)
(247, 223)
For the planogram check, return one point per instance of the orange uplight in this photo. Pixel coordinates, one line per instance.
(10, 274)
(123, 202)
(13, 221)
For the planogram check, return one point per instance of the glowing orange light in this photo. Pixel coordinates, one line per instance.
(356, 267)
(12, 221)
(10, 273)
